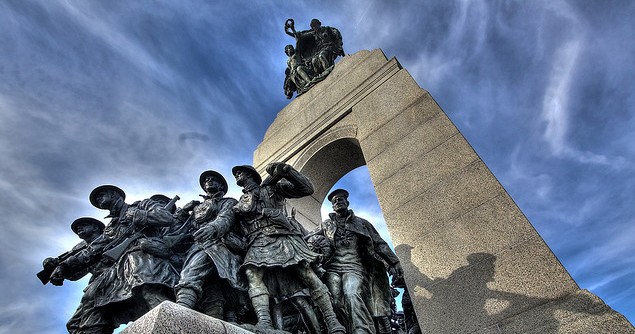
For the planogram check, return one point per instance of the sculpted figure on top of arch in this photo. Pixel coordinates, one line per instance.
(313, 57)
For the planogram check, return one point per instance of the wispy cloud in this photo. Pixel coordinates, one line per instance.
(555, 104)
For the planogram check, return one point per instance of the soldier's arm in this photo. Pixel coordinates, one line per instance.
(75, 266)
(295, 184)
(225, 218)
(384, 251)
(150, 213)
(380, 245)
(221, 225)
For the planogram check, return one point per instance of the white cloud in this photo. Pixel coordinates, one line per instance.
(555, 111)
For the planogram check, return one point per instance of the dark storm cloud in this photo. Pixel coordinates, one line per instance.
(147, 95)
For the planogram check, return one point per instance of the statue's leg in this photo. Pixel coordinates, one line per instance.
(359, 317)
(383, 325)
(212, 301)
(309, 317)
(315, 62)
(410, 318)
(277, 316)
(98, 330)
(321, 297)
(324, 61)
(303, 75)
(334, 284)
(154, 295)
(196, 269)
(259, 296)
(96, 320)
(73, 324)
(236, 304)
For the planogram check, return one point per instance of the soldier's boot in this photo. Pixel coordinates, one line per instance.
(307, 313)
(260, 302)
(186, 297)
(383, 325)
(155, 295)
(215, 310)
(322, 299)
(230, 316)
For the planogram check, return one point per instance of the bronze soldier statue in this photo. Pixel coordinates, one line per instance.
(88, 229)
(297, 74)
(211, 268)
(355, 269)
(141, 276)
(274, 246)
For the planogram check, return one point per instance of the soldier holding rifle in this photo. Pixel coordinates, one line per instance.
(141, 276)
(88, 229)
(211, 268)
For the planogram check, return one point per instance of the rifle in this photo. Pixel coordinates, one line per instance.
(172, 202)
(45, 274)
(179, 235)
(116, 252)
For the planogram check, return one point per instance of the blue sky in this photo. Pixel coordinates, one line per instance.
(148, 94)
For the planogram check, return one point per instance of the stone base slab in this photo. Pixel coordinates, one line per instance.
(170, 318)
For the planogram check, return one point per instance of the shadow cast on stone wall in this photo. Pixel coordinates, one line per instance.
(463, 302)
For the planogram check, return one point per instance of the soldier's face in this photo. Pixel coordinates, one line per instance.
(340, 203)
(241, 177)
(105, 199)
(211, 184)
(86, 230)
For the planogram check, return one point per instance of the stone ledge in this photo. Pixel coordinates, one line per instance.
(170, 318)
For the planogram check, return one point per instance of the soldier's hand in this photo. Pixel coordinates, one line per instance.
(57, 277)
(50, 262)
(207, 232)
(397, 275)
(190, 206)
(278, 168)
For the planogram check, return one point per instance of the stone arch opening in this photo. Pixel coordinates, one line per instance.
(325, 167)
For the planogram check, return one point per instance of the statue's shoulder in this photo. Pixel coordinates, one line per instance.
(363, 221)
(144, 203)
(80, 245)
(228, 201)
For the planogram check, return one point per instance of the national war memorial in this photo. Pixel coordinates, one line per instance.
(470, 259)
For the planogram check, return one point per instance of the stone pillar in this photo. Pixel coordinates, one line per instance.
(473, 262)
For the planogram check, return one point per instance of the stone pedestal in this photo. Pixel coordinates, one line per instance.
(473, 262)
(170, 318)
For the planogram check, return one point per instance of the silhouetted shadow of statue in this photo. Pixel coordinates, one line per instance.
(463, 302)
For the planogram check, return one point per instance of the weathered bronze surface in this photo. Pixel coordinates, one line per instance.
(128, 261)
(246, 261)
(313, 57)
(355, 262)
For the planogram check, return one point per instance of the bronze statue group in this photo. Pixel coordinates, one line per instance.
(245, 261)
